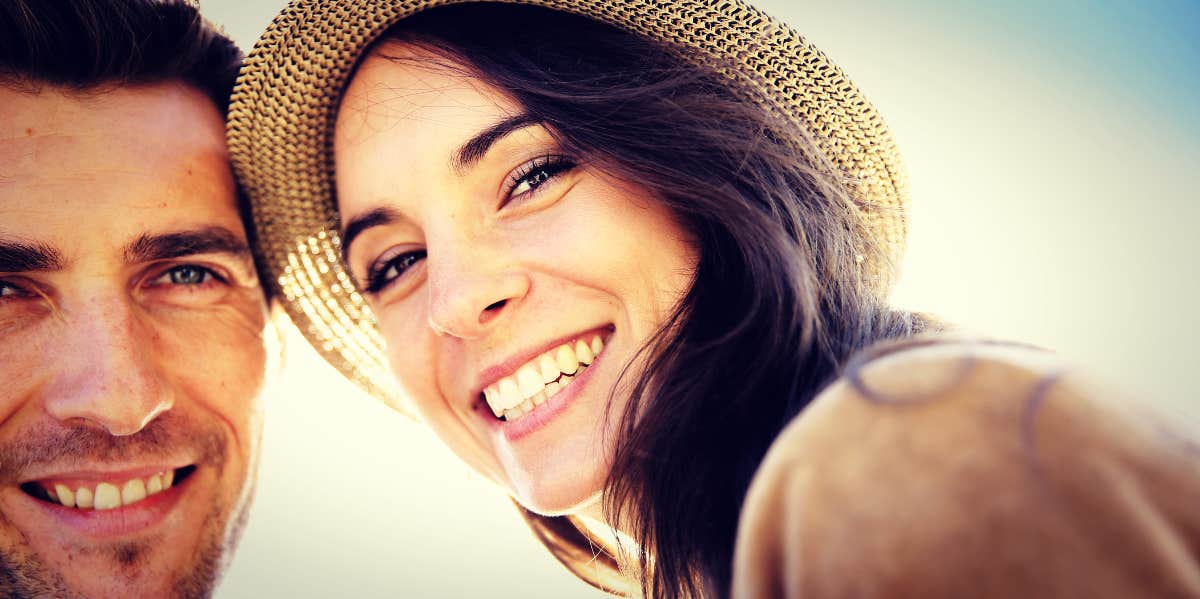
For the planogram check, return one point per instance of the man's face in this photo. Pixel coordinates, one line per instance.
(131, 344)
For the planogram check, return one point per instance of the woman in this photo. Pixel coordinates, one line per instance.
(613, 266)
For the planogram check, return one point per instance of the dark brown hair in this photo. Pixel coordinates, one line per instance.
(88, 44)
(779, 301)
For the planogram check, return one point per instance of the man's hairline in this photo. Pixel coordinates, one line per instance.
(34, 86)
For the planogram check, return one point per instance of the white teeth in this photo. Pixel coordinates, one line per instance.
(529, 380)
(567, 362)
(83, 498)
(154, 485)
(492, 395)
(549, 368)
(525, 407)
(540, 378)
(510, 394)
(107, 497)
(134, 490)
(65, 496)
(583, 353)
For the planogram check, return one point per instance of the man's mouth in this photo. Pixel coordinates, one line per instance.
(517, 394)
(105, 494)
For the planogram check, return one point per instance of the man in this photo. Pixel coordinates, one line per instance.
(131, 317)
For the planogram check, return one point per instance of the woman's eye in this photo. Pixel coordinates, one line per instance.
(529, 177)
(388, 269)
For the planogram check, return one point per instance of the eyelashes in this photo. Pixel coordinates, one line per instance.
(389, 268)
(12, 291)
(531, 176)
(183, 284)
(523, 183)
(187, 275)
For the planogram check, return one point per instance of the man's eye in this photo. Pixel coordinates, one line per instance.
(387, 270)
(11, 291)
(532, 175)
(186, 274)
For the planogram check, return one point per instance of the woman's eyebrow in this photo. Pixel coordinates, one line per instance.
(475, 148)
(360, 223)
(464, 158)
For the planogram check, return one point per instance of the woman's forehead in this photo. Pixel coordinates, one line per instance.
(399, 85)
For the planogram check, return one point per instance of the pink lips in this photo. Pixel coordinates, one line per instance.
(117, 522)
(544, 413)
(496, 372)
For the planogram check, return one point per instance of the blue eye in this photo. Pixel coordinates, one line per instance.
(189, 275)
(389, 269)
(8, 290)
(537, 172)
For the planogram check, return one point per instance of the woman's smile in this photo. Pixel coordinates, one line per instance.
(539, 379)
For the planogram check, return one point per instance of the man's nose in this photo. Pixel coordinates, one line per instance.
(469, 291)
(110, 374)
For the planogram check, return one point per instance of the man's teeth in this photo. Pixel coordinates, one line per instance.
(518, 394)
(109, 495)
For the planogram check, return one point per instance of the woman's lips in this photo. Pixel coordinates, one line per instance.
(541, 377)
(545, 412)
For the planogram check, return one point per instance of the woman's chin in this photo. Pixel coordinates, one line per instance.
(562, 501)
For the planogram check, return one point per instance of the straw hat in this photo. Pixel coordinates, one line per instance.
(283, 110)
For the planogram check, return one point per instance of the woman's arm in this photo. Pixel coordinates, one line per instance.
(972, 470)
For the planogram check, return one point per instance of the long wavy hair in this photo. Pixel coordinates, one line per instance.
(780, 299)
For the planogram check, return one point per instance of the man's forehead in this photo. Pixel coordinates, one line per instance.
(86, 171)
(143, 128)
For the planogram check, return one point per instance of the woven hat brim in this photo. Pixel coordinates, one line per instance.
(285, 101)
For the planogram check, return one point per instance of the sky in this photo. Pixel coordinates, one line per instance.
(1052, 150)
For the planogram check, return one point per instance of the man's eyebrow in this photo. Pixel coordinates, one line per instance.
(357, 225)
(471, 152)
(16, 256)
(207, 240)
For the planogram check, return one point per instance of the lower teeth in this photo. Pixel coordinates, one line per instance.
(514, 414)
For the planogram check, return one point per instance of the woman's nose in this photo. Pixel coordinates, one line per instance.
(469, 294)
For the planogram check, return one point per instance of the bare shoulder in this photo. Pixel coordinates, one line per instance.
(1021, 474)
(964, 395)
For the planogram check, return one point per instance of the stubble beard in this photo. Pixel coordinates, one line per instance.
(24, 575)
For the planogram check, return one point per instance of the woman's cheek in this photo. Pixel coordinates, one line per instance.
(410, 351)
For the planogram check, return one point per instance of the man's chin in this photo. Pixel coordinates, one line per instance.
(151, 568)
(123, 570)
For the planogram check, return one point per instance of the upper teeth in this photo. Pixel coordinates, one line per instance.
(109, 495)
(532, 384)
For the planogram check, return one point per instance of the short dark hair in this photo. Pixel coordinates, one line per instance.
(93, 45)
(89, 44)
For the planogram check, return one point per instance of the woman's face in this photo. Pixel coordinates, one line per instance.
(512, 282)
